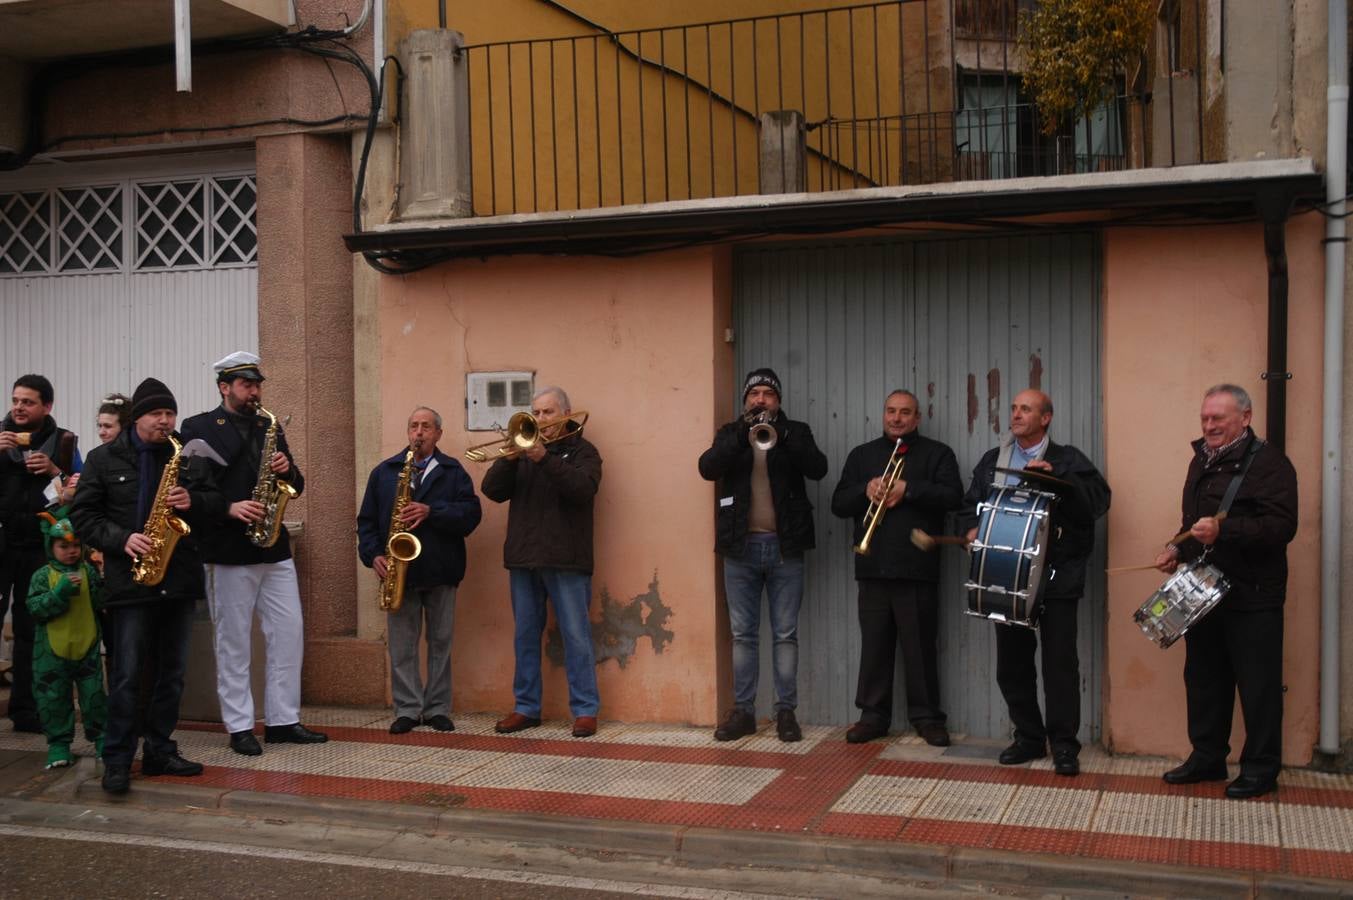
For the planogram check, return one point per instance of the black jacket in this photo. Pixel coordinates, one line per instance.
(794, 457)
(549, 524)
(933, 488)
(454, 512)
(1251, 547)
(226, 540)
(104, 516)
(1072, 528)
(21, 492)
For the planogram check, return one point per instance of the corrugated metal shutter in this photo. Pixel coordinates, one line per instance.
(965, 323)
(120, 278)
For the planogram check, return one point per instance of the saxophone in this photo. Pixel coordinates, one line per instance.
(163, 527)
(401, 547)
(269, 490)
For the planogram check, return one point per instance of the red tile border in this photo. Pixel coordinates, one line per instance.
(1319, 864)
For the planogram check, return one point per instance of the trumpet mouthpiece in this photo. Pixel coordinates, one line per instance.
(922, 540)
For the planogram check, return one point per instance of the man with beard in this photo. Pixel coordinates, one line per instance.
(243, 578)
(33, 452)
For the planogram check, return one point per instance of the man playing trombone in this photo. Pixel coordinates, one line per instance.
(548, 554)
(763, 525)
(898, 582)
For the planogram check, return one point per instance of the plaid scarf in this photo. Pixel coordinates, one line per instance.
(1210, 456)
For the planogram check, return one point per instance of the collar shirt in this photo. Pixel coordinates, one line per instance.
(1020, 458)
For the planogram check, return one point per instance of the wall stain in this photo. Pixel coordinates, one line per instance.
(1035, 372)
(617, 635)
(930, 396)
(972, 401)
(994, 400)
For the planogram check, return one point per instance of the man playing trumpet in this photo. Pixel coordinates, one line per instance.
(898, 582)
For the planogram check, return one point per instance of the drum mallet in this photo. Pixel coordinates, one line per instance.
(928, 542)
(1172, 542)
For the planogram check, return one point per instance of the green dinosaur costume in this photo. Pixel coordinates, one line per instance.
(66, 646)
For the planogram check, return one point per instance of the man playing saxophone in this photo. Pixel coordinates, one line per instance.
(440, 511)
(120, 491)
(243, 576)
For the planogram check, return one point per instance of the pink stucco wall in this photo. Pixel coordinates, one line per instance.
(633, 342)
(1185, 309)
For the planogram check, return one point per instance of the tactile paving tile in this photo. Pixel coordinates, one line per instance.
(1232, 822)
(1051, 808)
(1316, 828)
(963, 801)
(1141, 815)
(1317, 780)
(883, 795)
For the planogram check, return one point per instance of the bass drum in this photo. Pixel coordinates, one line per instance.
(1006, 570)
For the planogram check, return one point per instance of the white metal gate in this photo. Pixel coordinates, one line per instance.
(113, 272)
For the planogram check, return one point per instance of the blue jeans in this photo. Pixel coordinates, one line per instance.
(571, 595)
(156, 631)
(761, 567)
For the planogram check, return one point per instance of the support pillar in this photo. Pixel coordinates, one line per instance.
(783, 158)
(435, 147)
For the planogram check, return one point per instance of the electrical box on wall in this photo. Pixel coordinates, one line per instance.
(492, 397)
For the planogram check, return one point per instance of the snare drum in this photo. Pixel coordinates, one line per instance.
(1187, 596)
(1008, 556)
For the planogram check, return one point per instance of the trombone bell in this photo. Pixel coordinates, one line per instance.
(523, 432)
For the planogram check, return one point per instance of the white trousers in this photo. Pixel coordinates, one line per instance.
(234, 594)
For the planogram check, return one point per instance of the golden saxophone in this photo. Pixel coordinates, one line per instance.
(401, 547)
(269, 490)
(163, 527)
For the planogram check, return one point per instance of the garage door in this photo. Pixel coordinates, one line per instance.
(965, 324)
(109, 274)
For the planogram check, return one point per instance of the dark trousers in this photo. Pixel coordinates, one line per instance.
(16, 570)
(893, 610)
(158, 631)
(1228, 651)
(1017, 676)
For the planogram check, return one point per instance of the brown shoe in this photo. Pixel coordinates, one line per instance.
(515, 722)
(863, 732)
(934, 733)
(584, 726)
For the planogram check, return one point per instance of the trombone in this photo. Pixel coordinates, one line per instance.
(523, 432)
(877, 508)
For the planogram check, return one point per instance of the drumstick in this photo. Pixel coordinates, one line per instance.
(928, 542)
(1172, 542)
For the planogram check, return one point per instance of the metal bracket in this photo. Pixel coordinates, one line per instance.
(1265, 376)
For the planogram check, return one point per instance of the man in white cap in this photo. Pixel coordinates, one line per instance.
(243, 577)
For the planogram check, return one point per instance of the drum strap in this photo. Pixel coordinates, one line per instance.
(1234, 487)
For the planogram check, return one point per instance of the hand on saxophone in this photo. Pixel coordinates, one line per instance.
(137, 546)
(279, 463)
(249, 511)
(381, 565)
(179, 498)
(414, 513)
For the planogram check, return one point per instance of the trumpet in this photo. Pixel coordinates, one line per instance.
(762, 434)
(523, 432)
(877, 508)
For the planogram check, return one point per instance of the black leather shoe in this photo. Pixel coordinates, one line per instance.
(863, 732)
(403, 725)
(737, 724)
(117, 779)
(245, 744)
(1066, 762)
(292, 734)
(1195, 770)
(1247, 786)
(787, 726)
(934, 733)
(173, 764)
(440, 723)
(1022, 752)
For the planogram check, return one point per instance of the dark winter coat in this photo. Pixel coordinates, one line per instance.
(104, 516)
(549, 524)
(226, 541)
(1251, 547)
(1072, 527)
(933, 488)
(21, 492)
(453, 512)
(794, 457)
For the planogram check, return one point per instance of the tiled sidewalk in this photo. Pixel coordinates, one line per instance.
(898, 790)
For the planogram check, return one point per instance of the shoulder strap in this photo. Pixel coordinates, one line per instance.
(1234, 487)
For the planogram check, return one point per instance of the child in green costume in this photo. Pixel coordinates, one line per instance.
(63, 597)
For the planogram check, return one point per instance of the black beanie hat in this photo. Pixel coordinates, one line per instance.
(150, 395)
(758, 377)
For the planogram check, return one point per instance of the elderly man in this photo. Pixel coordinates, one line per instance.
(548, 555)
(1238, 647)
(33, 452)
(115, 508)
(244, 578)
(763, 524)
(441, 512)
(1083, 499)
(898, 583)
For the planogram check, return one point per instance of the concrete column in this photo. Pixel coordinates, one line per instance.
(783, 163)
(435, 147)
(306, 341)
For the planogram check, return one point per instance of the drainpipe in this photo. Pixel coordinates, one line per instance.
(1274, 204)
(1336, 231)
